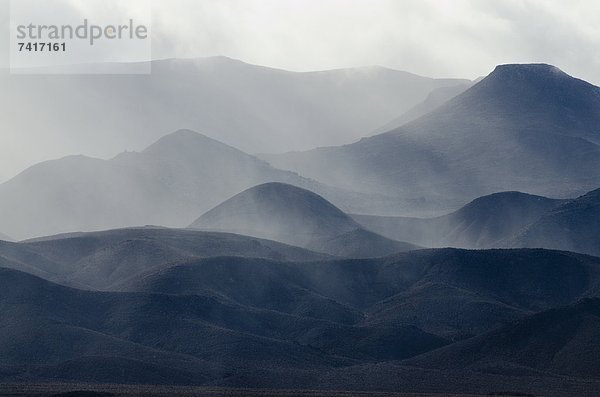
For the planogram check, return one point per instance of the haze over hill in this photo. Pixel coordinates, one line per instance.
(524, 127)
(297, 216)
(574, 226)
(434, 100)
(100, 259)
(169, 183)
(252, 322)
(254, 108)
(559, 341)
(486, 222)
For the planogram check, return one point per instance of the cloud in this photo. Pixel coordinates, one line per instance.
(445, 38)
(462, 38)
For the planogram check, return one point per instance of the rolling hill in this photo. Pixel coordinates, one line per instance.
(297, 216)
(486, 222)
(559, 341)
(524, 127)
(574, 226)
(98, 260)
(447, 292)
(370, 324)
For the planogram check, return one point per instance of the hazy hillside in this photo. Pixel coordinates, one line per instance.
(251, 322)
(297, 216)
(179, 177)
(175, 179)
(559, 341)
(574, 226)
(5, 237)
(254, 108)
(524, 127)
(448, 292)
(434, 100)
(483, 223)
(122, 338)
(98, 260)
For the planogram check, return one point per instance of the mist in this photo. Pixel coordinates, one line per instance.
(302, 197)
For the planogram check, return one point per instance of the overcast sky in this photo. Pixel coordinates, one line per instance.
(440, 38)
(458, 38)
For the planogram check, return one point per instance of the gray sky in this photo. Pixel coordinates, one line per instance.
(440, 38)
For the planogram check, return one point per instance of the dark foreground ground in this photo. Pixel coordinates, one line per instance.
(87, 390)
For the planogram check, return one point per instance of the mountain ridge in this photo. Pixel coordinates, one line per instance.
(522, 133)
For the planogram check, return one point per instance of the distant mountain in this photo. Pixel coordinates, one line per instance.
(434, 100)
(559, 341)
(172, 181)
(574, 226)
(5, 237)
(293, 215)
(255, 108)
(483, 223)
(99, 260)
(524, 127)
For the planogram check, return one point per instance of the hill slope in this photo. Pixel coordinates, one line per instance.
(98, 260)
(561, 341)
(524, 127)
(434, 100)
(295, 216)
(345, 324)
(447, 292)
(574, 226)
(485, 222)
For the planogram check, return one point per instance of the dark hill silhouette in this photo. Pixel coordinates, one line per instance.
(449, 292)
(98, 260)
(348, 324)
(560, 341)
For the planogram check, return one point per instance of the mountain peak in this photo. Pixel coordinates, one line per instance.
(182, 137)
(523, 68)
(187, 141)
(278, 211)
(539, 76)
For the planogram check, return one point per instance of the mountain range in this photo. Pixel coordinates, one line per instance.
(195, 263)
(254, 108)
(100, 259)
(530, 128)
